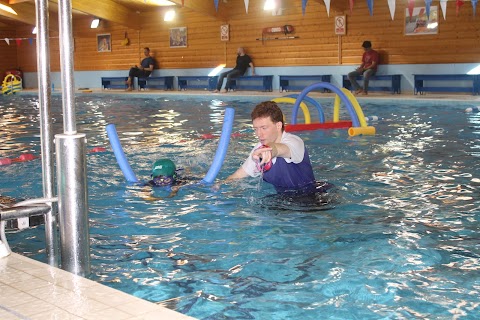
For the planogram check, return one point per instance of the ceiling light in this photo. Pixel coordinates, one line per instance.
(95, 23)
(169, 15)
(7, 8)
(269, 5)
(162, 3)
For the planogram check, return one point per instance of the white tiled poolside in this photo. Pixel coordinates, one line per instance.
(33, 290)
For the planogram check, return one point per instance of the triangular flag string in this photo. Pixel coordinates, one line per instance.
(427, 7)
(391, 6)
(370, 6)
(327, 5)
(459, 3)
(304, 6)
(474, 7)
(246, 6)
(351, 5)
(215, 2)
(443, 5)
(7, 41)
(411, 5)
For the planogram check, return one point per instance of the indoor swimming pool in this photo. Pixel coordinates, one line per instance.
(399, 241)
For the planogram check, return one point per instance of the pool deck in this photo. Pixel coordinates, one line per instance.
(33, 290)
(276, 94)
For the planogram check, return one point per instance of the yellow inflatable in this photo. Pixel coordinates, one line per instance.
(303, 106)
(11, 84)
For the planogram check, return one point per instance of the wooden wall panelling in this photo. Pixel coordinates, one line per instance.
(8, 53)
(317, 44)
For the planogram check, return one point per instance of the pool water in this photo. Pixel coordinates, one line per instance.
(400, 241)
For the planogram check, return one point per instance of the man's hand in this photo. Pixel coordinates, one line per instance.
(264, 154)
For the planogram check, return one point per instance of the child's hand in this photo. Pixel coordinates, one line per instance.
(216, 187)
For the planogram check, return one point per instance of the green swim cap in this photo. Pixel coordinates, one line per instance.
(164, 167)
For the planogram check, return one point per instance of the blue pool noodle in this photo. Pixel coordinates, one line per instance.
(119, 154)
(331, 87)
(222, 146)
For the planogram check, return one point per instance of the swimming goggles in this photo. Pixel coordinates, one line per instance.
(163, 180)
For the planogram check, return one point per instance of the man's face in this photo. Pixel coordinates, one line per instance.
(146, 52)
(267, 131)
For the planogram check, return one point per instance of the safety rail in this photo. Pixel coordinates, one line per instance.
(24, 209)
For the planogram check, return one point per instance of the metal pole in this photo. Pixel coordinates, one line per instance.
(44, 98)
(66, 63)
(71, 162)
(72, 204)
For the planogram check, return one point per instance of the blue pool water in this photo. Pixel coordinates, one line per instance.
(401, 240)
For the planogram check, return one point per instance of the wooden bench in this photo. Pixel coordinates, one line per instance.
(393, 79)
(471, 83)
(114, 82)
(197, 82)
(305, 80)
(263, 83)
(165, 83)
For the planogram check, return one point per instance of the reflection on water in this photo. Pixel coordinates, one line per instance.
(399, 239)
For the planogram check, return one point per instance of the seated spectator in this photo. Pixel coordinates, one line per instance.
(146, 67)
(243, 62)
(368, 68)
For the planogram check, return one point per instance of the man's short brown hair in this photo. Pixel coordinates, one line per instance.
(268, 109)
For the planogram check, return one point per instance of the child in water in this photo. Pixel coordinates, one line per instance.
(164, 174)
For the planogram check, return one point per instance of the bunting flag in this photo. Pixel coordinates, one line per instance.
(474, 6)
(246, 6)
(391, 6)
(30, 41)
(443, 5)
(351, 6)
(304, 6)
(7, 41)
(183, 3)
(411, 5)
(216, 4)
(19, 42)
(459, 4)
(370, 6)
(427, 7)
(327, 5)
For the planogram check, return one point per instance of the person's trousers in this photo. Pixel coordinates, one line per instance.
(352, 76)
(136, 72)
(234, 73)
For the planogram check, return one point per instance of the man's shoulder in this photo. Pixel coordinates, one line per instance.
(286, 136)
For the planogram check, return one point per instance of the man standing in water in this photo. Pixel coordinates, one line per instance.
(280, 156)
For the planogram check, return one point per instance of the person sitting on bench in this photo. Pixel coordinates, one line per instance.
(146, 67)
(368, 68)
(243, 62)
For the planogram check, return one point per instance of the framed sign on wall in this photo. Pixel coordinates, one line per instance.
(419, 23)
(178, 37)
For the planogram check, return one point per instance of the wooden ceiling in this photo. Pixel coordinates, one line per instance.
(123, 12)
